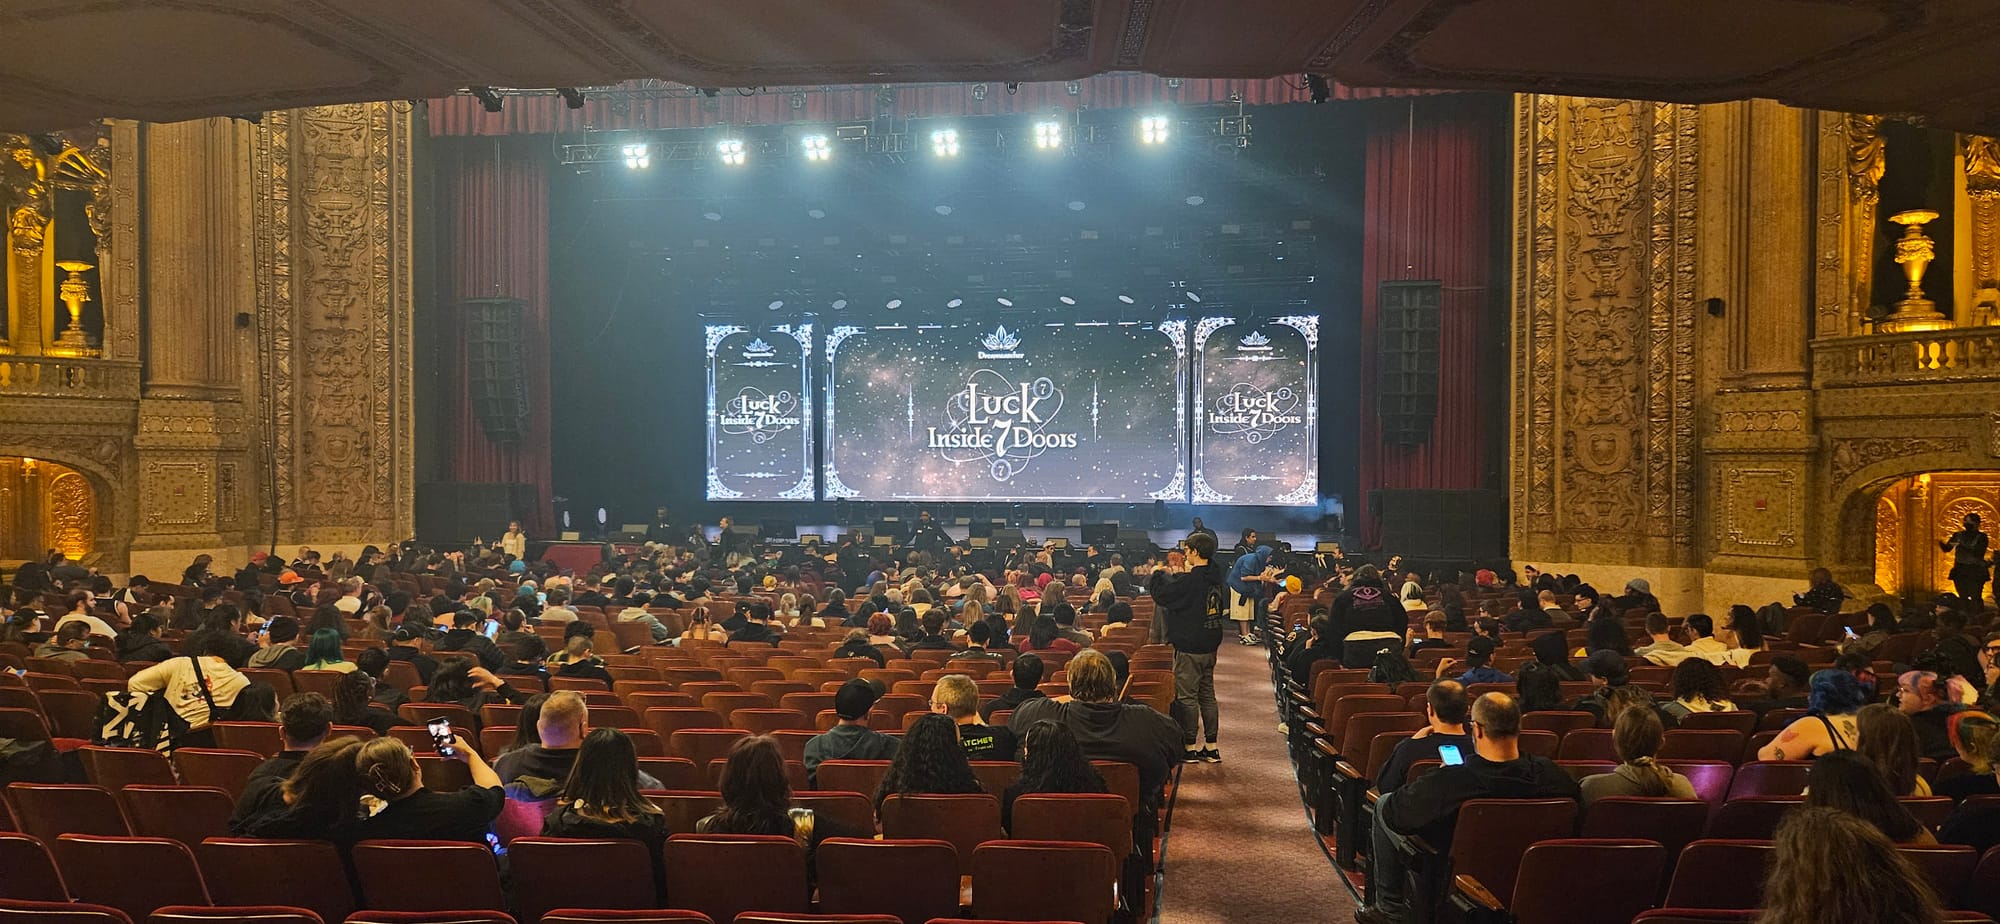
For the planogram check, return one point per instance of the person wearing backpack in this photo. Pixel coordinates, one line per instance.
(200, 688)
(1367, 620)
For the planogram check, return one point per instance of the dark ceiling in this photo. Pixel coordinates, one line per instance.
(69, 61)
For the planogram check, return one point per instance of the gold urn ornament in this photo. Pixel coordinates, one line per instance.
(73, 292)
(1914, 253)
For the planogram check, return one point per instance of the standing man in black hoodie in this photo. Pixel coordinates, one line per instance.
(1195, 605)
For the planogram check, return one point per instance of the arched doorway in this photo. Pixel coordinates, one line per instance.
(45, 505)
(1914, 514)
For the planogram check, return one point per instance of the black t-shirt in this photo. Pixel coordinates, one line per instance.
(263, 791)
(1428, 806)
(1977, 828)
(427, 814)
(1966, 784)
(986, 742)
(1410, 750)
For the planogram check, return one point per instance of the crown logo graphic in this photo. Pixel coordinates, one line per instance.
(1001, 340)
(1256, 339)
(757, 346)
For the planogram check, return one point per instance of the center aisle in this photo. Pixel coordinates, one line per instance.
(1241, 849)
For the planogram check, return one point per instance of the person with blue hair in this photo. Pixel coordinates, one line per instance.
(1830, 724)
(1249, 587)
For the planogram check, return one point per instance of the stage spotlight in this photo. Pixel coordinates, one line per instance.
(637, 157)
(815, 212)
(944, 142)
(1153, 129)
(1005, 302)
(486, 97)
(894, 304)
(1065, 299)
(731, 151)
(840, 304)
(1317, 86)
(1076, 205)
(1048, 135)
(1194, 200)
(954, 303)
(572, 97)
(1127, 299)
(817, 147)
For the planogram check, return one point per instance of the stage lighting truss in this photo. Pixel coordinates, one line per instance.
(731, 152)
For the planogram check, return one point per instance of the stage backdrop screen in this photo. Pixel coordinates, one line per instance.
(760, 432)
(1078, 411)
(1256, 407)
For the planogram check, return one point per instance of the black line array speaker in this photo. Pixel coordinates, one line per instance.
(495, 366)
(1406, 371)
(451, 513)
(1458, 526)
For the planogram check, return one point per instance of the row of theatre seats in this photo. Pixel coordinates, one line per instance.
(1660, 860)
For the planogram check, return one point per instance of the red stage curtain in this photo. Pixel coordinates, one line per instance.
(1426, 215)
(493, 230)
(463, 115)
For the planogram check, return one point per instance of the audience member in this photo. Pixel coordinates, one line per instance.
(1662, 635)
(320, 801)
(1365, 620)
(1851, 783)
(71, 642)
(389, 772)
(756, 797)
(465, 636)
(303, 723)
(1833, 868)
(599, 798)
(141, 641)
(354, 704)
(1830, 725)
(1975, 736)
(472, 687)
(1785, 686)
(1051, 762)
(1637, 735)
(859, 645)
(1924, 697)
(1445, 709)
(324, 653)
(1890, 740)
(1027, 672)
(1434, 629)
(978, 634)
(1428, 806)
(1552, 658)
(277, 646)
(1696, 687)
(850, 738)
(561, 726)
(956, 697)
(200, 688)
(1478, 654)
(930, 761)
(1109, 730)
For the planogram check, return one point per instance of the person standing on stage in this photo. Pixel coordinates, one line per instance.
(660, 531)
(1248, 544)
(1194, 605)
(1200, 528)
(927, 536)
(1969, 567)
(515, 541)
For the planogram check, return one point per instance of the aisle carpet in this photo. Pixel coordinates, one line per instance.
(1241, 849)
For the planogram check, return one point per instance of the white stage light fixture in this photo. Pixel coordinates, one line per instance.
(731, 151)
(1154, 129)
(954, 303)
(817, 147)
(637, 157)
(944, 142)
(1048, 135)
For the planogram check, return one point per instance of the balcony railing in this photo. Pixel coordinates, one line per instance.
(55, 377)
(1960, 354)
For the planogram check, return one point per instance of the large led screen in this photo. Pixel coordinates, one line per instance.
(760, 432)
(1256, 410)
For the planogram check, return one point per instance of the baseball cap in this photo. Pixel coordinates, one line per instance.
(855, 698)
(290, 577)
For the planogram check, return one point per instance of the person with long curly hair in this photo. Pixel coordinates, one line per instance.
(1833, 868)
(1051, 761)
(1697, 687)
(929, 762)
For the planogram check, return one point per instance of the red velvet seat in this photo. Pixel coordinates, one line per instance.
(59, 912)
(551, 873)
(1073, 881)
(703, 745)
(117, 768)
(1088, 817)
(1588, 744)
(132, 874)
(453, 916)
(27, 871)
(250, 871)
(670, 719)
(427, 876)
(838, 814)
(1741, 722)
(624, 916)
(72, 713)
(705, 873)
(1711, 779)
(1674, 823)
(1751, 818)
(862, 776)
(1948, 868)
(1714, 873)
(189, 814)
(50, 810)
(684, 808)
(221, 768)
(1625, 876)
(256, 737)
(1489, 839)
(912, 880)
(965, 821)
(233, 914)
(1770, 778)
(1725, 745)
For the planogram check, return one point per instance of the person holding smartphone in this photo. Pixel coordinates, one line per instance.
(389, 772)
(1445, 738)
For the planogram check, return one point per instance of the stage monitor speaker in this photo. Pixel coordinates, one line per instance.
(1406, 384)
(1441, 526)
(1100, 534)
(495, 366)
(453, 513)
(1008, 538)
(1134, 539)
(979, 529)
(778, 528)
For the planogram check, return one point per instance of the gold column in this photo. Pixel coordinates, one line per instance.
(198, 245)
(1769, 330)
(1867, 158)
(1982, 190)
(30, 206)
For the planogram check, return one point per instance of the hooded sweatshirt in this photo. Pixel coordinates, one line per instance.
(1551, 655)
(848, 742)
(1365, 606)
(1428, 805)
(1194, 606)
(1137, 735)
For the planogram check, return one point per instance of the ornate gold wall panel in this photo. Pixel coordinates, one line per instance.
(70, 517)
(1914, 513)
(1604, 306)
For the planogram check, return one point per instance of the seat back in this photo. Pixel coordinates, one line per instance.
(1671, 822)
(1492, 834)
(551, 873)
(1362, 728)
(1587, 744)
(27, 872)
(703, 745)
(1560, 722)
(705, 873)
(674, 772)
(117, 768)
(1770, 778)
(189, 814)
(1346, 708)
(1716, 873)
(1088, 817)
(1625, 876)
(1741, 722)
(50, 810)
(862, 776)
(914, 880)
(684, 808)
(223, 769)
(233, 914)
(107, 871)
(1711, 779)
(1723, 744)
(257, 737)
(1073, 881)
(965, 821)
(838, 814)
(1948, 868)
(427, 876)
(59, 912)
(1751, 818)
(617, 916)
(303, 874)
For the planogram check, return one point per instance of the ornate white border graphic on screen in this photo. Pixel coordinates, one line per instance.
(834, 488)
(1176, 490)
(764, 416)
(1254, 414)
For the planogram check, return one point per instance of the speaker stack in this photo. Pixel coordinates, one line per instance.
(495, 364)
(1406, 385)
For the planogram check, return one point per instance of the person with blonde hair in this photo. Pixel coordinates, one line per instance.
(956, 697)
(1976, 737)
(1107, 729)
(1637, 735)
(390, 773)
(1831, 867)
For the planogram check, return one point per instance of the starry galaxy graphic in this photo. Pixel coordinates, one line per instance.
(1256, 400)
(759, 413)
(1006, 410)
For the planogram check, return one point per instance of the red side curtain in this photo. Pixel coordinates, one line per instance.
(1425, 215)
(463, 115)
(493, 221)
